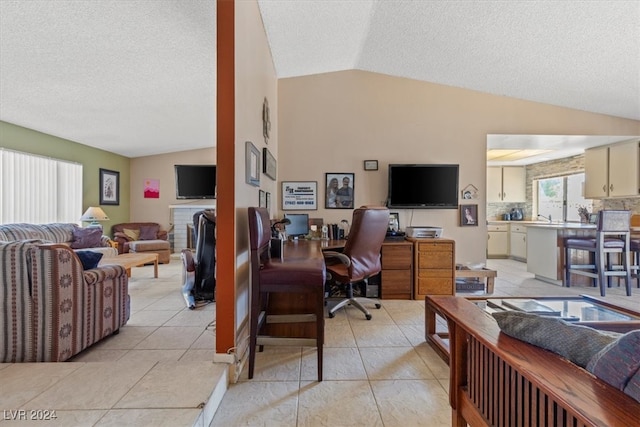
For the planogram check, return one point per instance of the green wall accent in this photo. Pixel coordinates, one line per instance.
(26, 140)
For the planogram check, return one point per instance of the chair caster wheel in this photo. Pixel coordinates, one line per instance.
(378, 306)
(331, 315)
(368, 316)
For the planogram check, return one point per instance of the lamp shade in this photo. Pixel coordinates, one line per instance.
(93, 215)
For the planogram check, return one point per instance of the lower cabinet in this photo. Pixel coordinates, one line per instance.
(397, 270)
(498, 241)
(434, 267)
(518, 242)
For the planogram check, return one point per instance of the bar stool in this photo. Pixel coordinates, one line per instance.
(612, 238)
(634, 249)
(305, 277)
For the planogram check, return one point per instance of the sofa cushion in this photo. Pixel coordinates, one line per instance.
(149, 245)
(131, 233)
(619, 361)
(89, 259)
(89, 237)
(574, 342)
(633, 386)
(149, 232)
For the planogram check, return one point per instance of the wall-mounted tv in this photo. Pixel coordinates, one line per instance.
(195, 181)
(423, 186)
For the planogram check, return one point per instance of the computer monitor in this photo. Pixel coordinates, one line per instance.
(299, 225)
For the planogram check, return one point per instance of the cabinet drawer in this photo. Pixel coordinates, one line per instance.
(435, 286)
(396, 257)
(518, 228)
(396, 284)
(435, 247)
(498, 227)
(431, 260)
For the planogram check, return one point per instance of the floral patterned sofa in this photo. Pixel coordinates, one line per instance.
(52, 307)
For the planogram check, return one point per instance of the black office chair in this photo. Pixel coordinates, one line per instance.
(360, 258)
(199, 271)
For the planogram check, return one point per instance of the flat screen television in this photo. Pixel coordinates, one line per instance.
(299, 225)
(423, 186)
(195, 181)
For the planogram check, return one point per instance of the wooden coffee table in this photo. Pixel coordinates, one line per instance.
(130, 260)
(479, 273)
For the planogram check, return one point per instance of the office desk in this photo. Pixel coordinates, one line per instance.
(298, 255)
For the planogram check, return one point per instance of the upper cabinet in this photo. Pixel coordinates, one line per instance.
(506, 184)
(612, 170)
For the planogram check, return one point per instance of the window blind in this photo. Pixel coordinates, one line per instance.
(39, 190)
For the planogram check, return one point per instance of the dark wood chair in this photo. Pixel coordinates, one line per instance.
(297, 275)
(612, 238)
(360, 258)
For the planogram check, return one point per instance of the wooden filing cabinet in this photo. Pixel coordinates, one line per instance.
(434, 267)
(397, 270)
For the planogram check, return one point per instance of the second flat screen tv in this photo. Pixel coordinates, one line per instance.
(195, 181)
(429, 186)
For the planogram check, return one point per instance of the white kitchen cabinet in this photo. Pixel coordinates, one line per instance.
(518, 241)
(506, 184)
(612, 171)
(498, 240)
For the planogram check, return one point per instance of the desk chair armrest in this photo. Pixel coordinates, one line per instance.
(342, 257)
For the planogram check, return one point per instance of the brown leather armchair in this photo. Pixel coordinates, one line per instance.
(360, 258)
(142, 237)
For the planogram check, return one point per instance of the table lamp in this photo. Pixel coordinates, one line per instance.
(92, 215)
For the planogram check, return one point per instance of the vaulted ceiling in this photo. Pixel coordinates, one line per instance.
(138, 77)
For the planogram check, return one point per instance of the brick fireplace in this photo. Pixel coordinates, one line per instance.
(182, 219)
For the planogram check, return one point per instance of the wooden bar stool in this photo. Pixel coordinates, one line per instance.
(612, 239)
(299, 276)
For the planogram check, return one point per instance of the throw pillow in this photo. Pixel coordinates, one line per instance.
(633, 386)
(149, 232)
(131, 233)
(89, 259)
(89, 237)
(619, 361)
(574, 342)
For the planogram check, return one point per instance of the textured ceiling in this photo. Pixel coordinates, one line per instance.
(138, 77)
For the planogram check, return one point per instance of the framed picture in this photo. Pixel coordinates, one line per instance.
(371, 165)
(340, 191)
(268, 201)
(394, 221)
(299, 195)
(468, 215)
(109, 187)
(252, 164)
(269, 164)
(262, 199)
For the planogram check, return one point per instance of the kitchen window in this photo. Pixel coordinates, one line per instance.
(560, 197)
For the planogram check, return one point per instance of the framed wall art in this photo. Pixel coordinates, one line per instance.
(252, 164)
(269, 164)
(468, 215)
(299, 195)
(340, 191)
(262, 199)
(109, 187)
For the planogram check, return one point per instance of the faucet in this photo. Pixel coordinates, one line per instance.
(548, 218)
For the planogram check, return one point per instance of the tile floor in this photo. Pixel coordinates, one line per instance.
(158, 370)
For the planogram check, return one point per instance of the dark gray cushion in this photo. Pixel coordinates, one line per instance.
(619, 361)
(89, 237)
(89, 259)
(574, 342)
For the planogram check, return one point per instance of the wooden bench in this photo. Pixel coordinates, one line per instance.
(479, 273)
(501, 381)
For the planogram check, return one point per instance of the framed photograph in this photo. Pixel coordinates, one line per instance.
(339, 193)
(299, 195)
(371, 165)
(252, 164)
(394, 221)
(109, 187)
(468, 215)
(268, 202)
(262, 199)
(269, 164)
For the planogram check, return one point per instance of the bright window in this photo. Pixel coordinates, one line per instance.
(38, 189)
(560, 197)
